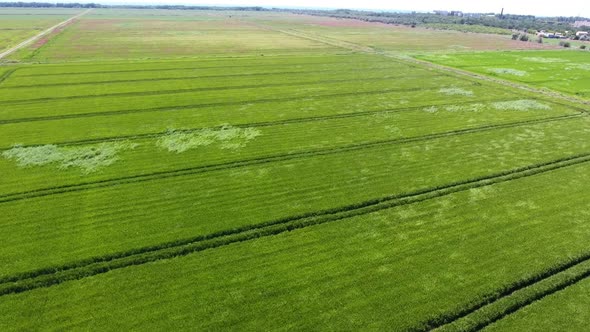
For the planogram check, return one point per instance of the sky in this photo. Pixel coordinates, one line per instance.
(529, 7)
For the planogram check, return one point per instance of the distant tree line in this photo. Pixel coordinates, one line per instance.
(513, 22)
(96, 5)
(507, 21)
(49, 5)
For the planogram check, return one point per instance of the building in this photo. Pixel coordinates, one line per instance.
(448, 13)
(579, 24)
(581, 33)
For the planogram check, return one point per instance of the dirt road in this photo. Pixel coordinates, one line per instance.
(34, 38)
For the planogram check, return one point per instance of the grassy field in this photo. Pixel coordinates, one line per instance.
(106, 34)
(566, 71)
(388, 37)
(188, 182)
(562, 311)
(18, 24)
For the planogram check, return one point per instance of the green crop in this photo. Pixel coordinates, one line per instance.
(241, 170)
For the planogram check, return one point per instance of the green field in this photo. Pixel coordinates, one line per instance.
(106, 34)
(221, 170)
(566, 71)
(18, 24)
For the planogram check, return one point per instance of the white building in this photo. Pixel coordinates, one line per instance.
(579, 24)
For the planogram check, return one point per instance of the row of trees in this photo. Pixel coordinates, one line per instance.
(96, 5)
(513, 22)
(49, 5)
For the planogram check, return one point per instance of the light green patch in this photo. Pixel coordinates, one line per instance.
(582, 66)
(87, 158)
(456, 92)
(508, 71)
(431, 109)
(229, 137)
(464, 108)
(479, 194)
(394, 130)
(520, 105)
(543, 60)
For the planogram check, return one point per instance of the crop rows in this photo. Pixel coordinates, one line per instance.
(262, 250)
(96, 265)
(156, 119)
(269, 149)
(17, 97)
(461, 106)
(437, 201)
(183, 73)
(518, 295)
(379, 170)
(175, 65)
(149, 101)
(224, 78)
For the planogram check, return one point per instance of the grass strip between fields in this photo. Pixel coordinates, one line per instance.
(7, 74)
(49, 276)
(262, 160)
(508, 300)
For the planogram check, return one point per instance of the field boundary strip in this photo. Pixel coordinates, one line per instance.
(54, 275)
(263, 160)
(500, 303)
(204, 105)
(45, 32)
(7, 74)
(261, 124)
(163, 92)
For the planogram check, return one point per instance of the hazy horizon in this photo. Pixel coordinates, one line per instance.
(524, 7)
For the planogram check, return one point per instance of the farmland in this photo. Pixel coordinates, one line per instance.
(566, 71)
(18, 24)
(236, 170)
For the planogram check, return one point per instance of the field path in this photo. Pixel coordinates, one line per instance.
(541, 91)
(408, 59)
(34, 38)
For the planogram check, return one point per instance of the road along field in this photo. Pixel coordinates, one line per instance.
(19, 24)
(567, 71)
(317, 188)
